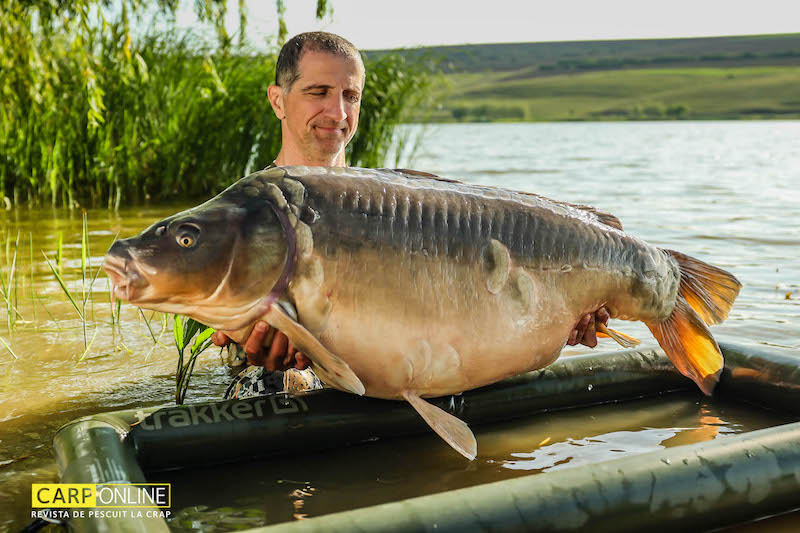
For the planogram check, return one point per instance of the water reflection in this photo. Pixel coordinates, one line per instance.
(391, 470)
(577, 451)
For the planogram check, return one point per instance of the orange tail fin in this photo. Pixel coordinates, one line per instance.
(706, 295)
(689, 345)
(708, 289)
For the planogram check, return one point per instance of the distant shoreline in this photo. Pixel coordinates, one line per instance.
(692, 93)
(739, 118)
(712, 78)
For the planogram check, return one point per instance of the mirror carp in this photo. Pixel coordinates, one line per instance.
(409, 286)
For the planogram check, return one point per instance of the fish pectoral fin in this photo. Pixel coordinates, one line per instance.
(623, 340)
(498, 261)
(452, 429)
(331, 369)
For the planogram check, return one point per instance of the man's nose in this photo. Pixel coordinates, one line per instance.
(335, 108)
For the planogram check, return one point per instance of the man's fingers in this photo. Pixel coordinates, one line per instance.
(277, 351)
(256, 339)
(590, 337)
(301, 361)
(576, 335)
(220, 339)
(288, 361)
(573, 338)
(257, 359)
(602, 315)
(589, 334)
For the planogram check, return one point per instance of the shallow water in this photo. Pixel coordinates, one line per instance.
(726, 192)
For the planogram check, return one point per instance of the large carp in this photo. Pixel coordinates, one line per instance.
(407, 286)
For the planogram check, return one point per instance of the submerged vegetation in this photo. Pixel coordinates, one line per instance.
(92, 114)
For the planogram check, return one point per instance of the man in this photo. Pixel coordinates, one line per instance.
(319, 80)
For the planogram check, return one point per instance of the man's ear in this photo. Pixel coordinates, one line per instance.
(275, 96)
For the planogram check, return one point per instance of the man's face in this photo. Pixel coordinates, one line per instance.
(322, 106)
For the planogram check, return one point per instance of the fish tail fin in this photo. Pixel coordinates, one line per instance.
(623, 340)
(709, 290)
(689, 345)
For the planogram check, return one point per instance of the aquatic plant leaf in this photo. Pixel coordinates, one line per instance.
(63, 287)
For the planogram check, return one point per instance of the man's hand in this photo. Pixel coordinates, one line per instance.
(585, 331)
(277, 355)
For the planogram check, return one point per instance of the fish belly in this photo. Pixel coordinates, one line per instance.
(430, 326)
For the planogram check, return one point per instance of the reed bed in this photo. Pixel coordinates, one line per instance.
(94, 116)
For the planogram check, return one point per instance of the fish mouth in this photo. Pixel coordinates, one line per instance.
(126, 279)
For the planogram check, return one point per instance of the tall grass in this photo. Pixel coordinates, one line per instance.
(92, 115)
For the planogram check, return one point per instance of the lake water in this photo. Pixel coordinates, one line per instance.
(725, 192)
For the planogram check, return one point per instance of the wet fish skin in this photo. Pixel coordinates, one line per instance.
(387, 237)
(419, 286)
(412, 215)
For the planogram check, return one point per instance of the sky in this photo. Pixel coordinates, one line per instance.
(375, 24)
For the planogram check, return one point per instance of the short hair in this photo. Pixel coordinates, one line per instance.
(287, 71)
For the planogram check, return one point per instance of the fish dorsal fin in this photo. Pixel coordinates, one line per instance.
(330, 368)
(604, 217)
(410, 173)
(452, 429)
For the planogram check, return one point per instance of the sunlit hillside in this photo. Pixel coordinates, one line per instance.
(702, 78)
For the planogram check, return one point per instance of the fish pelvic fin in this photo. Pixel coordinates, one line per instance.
(709, 290)
(626, 341)
(453, 430)
(330, 368)
(689, 345)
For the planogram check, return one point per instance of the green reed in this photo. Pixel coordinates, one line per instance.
(8, 348)
(9, 284)
(32, 290)
(93, 115)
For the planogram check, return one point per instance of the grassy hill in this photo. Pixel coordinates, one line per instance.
(703, 78)
(684, 93)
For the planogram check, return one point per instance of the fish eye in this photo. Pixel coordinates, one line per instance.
(187, 235)
(186, 240)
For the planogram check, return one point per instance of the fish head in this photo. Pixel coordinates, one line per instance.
(215, 263)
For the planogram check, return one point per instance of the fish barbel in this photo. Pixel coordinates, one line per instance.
(408, 286)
